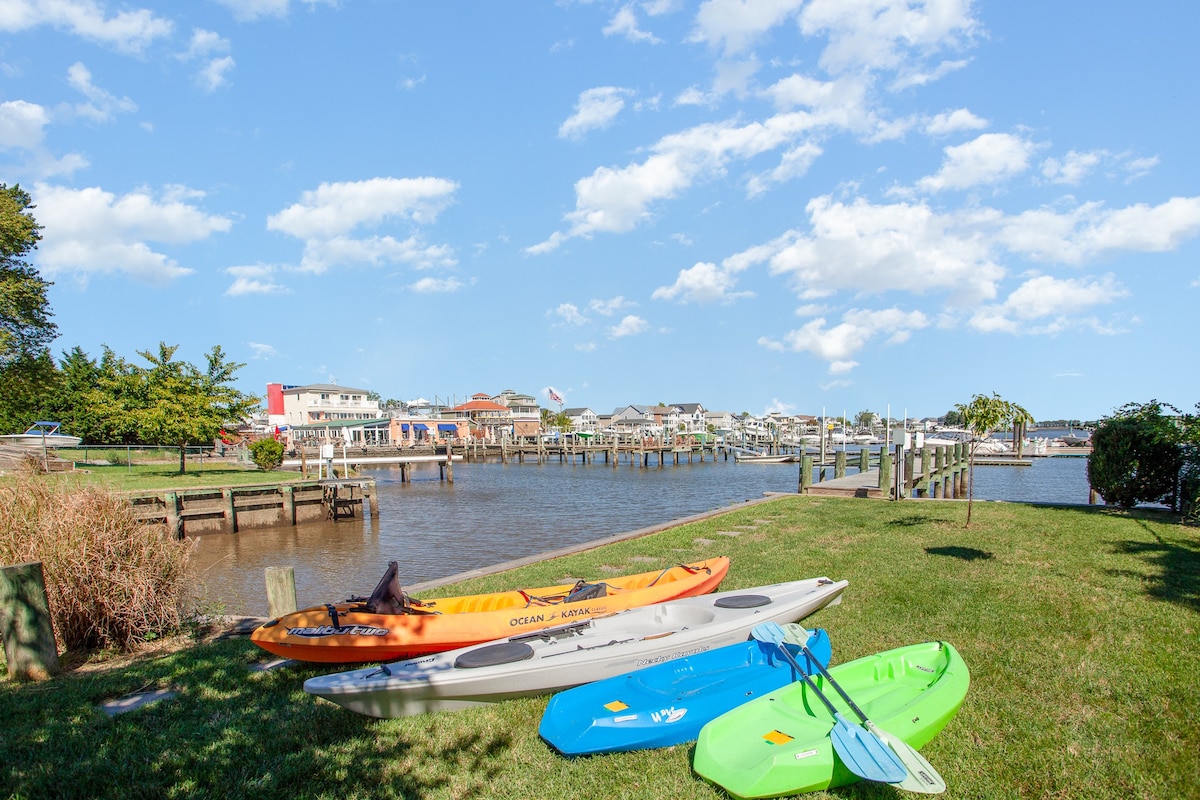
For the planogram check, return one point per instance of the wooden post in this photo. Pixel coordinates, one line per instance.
(289, 505)
(281, 591)
(926, 476)
(25, 625)
(449, 467)
(372, 499)
(839, 464)
(174, 519)
(864, 459)
(885, 470)
(230, 512)
(806, 473)
(910, 465)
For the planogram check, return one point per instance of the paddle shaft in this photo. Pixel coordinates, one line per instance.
(808, 680)
(853, 706)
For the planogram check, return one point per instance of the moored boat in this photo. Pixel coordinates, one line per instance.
(780, 744)
(40, 434)
(391, 624)
(553, 659)
(668, 703)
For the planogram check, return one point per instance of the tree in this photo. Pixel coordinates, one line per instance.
(1136, 455)
(25, 326)
(982, 416)
(865, 420)
(953, 419)
(172, 402)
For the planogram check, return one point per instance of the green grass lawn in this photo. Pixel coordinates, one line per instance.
(1080, 627)
(166, 475)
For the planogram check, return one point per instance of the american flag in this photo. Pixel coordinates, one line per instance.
(555, 396)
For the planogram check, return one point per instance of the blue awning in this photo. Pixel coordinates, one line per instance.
(404, 426)
(420, 426)
(443, 426)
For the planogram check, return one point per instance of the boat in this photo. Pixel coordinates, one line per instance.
(41, 434)
(553, 659)
(865, 437)
(763, 458)
(780, 743)
(668, 703)
(948, 437)
(391, 624)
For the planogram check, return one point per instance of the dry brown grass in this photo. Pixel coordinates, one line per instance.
(112, 582)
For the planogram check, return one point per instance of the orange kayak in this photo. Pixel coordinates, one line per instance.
(391, 625)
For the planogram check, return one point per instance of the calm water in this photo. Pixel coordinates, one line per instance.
(496, 512)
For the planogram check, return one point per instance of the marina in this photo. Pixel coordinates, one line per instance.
(495, 513)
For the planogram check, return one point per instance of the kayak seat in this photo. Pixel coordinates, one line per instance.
(389, 598)
(587, 591)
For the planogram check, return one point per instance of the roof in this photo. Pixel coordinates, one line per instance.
(324, 387)
(480, 405)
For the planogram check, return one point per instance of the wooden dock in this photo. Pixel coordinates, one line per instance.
(230, 509)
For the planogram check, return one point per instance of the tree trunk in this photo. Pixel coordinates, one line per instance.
(182, 459)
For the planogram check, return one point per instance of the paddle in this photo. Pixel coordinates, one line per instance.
(920, 776)
(861, 751)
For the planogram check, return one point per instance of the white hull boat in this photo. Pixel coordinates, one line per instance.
(573, 654)
(41, 434)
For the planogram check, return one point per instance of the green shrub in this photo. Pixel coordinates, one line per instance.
(111, 581)
(1136, 456)
(267, 453)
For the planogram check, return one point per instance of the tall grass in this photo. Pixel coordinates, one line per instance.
(111, 581)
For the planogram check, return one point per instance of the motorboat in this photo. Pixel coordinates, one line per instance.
(41, 434)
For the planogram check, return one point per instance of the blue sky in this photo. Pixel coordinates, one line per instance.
(752, 204)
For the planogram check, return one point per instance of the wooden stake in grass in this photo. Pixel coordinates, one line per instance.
(25, 626)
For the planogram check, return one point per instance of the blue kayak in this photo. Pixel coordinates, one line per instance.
(669, 703)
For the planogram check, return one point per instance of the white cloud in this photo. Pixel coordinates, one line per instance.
(101, 105)
(595, 109)
(212, 49)
(325, 217)
(701, 283)
(611, 306)
(253, 279)
(954, 121)
(334, 209)
(841, 367)
(990, 158)
(435, 285)
(127, 31)
(22, 125)
(886, 34)
(1090, 231)
(262, 351)
(917, 77)
(1073, 167)
(628, 326)
(737, 25)
(838, 343)
(569, 313)
(624, 23)
(93, 231)
(1045, 304)
(879, 248)
(250, 10)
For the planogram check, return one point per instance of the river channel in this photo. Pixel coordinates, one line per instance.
(496, 512)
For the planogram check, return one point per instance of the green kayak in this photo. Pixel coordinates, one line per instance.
(779, 744)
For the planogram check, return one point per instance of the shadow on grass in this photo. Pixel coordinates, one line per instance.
(915, 520)
(1178, 563)
(229, 733)
(965, 553)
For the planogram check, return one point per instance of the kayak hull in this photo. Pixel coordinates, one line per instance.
(667, 704)
(553, 659)
(779, 744)
(345, 633)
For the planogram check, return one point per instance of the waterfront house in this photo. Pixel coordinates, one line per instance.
(525, 413)
(487, 420)
(583, 420)
(693, 417)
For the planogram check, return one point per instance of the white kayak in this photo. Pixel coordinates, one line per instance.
(558, 658)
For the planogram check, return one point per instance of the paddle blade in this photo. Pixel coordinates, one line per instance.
(865, 754)
(920, 775)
